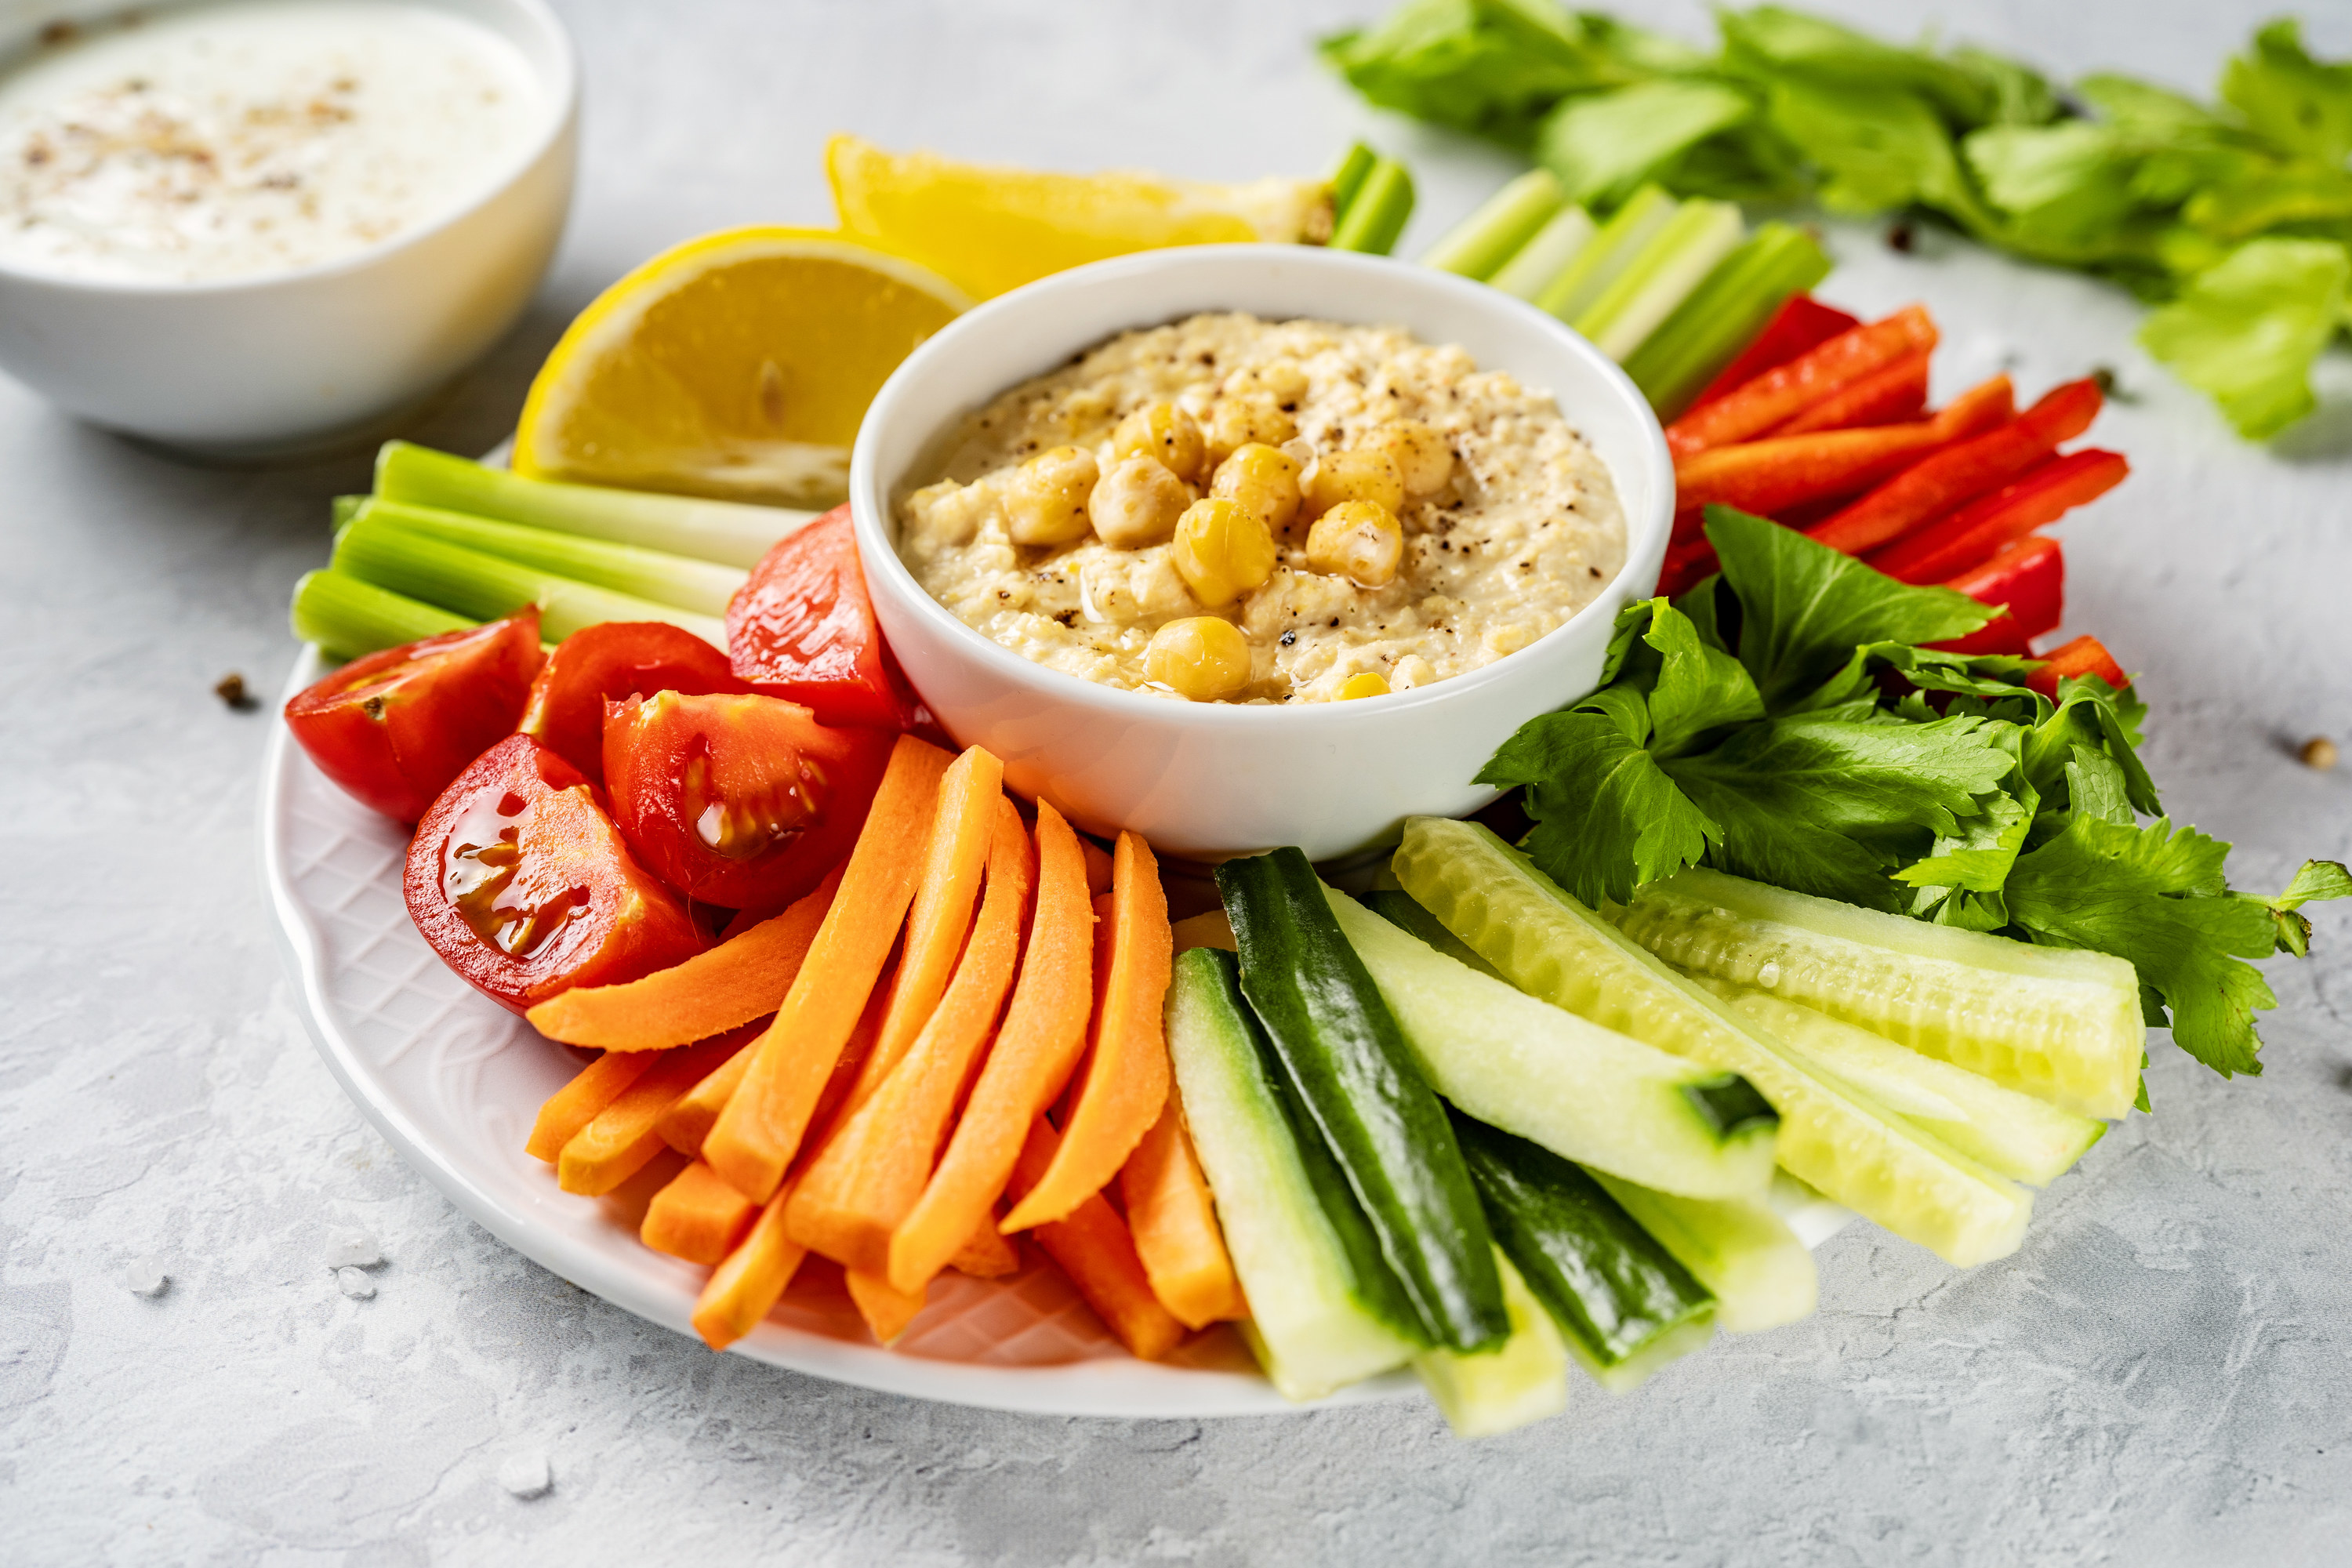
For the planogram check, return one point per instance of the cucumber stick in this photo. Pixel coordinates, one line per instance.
(1760, 1275)
(1353, 1072)
(2061, 1024)
(1497, 1391)
(1309, 1328)
(2023, 1138)
(1584, 1092)
(1856, 1153)
(1395, 906)
(1625, 1306)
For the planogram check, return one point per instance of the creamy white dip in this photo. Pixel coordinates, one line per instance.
(251, 137)
(1525, 532)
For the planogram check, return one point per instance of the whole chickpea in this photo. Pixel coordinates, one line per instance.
(1281, 380)
(1203, 657)
(1360, 473)
(1358, 540)
(1424, 459)
(1137, 502)
(1045, 500)
(1251, 420)
(1161, 430)
(1260, 479)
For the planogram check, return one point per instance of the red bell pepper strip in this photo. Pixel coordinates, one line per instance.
(1688, 561)
(1999, 634)
(2029, 577)
(1786, 391)
(1770, 476)
(2083, 656)
(1802, 323)
(1985, 527)
(1935, 485)
(1897, 393)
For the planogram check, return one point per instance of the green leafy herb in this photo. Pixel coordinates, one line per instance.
(2247, 332)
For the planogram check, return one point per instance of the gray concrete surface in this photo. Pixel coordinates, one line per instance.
(2160, 1376)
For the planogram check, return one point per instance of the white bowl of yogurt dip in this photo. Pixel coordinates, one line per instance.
(252, 226)
(1552, 470)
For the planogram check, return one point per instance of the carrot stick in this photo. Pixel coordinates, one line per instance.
(748, 1284)
(754, 1140)
(1769, 475)
(1044, 1028)
(1989, 524)
(971, 793)
(1100, 868)
(986, 1253)
(1781, 393)
(1961, 472)
(578, 1103)
(626, 1133)
(868, 1174)
(1896, 392)
(886, 1309)
(1125, 1084)
(1802, 323)
(690, 1117)
(1174, 1218)
(700, 1216)
(1094, 1248)
(714, 991)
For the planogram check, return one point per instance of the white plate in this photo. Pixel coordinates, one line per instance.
(453, 1080)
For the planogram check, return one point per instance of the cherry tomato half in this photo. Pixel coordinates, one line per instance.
(606, 662)
(519, 880)
(395, 726)
(741, 800)
(803, 629)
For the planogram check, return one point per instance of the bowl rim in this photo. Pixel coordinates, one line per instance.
(562, 78)
(869, 509)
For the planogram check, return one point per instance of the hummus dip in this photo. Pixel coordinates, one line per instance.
(1497, 521)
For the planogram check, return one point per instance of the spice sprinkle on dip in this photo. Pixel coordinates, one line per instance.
(1232, 508)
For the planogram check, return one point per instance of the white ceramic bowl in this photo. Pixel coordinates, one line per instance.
(286, 361)
(1208, 779)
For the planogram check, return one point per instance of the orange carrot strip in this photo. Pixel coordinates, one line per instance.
(870, 1171)
(579, 1102)
(626, 1133)
(1045, 1029)
(714, 991)
(986, 1253)
(1100, 868)
(1896, 392)
(700, 1216)
(1094, 1248)
(1126, 1085)
(886, 1309)
(972, 792)
(756, 1136)
(748, 1284)
(691, 1116)
(1174, 1218)
(1786, 391)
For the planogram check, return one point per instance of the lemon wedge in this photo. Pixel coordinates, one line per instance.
(989, 229)
(737, 366)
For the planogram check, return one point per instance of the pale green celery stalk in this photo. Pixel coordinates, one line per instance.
(728, 532)
(1504, 223)
(1376, 214)
(1724, 315)
(1349, 178)
(702, 586)
(1675, 261)
(343, 509)
(470, 583)
(1598, 265)
(347, 617)
(1547, 254)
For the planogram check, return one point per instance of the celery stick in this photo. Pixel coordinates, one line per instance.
(347, 617)
(1349, 178)
(343, 509)
(1724, 315)
(1376, 214)
(1675, 261)
(702, 586)
(729, 532)
(1596, 266)
(1504, 223)
(1547, 255)
(473, 584)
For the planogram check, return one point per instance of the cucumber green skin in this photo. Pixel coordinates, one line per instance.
(1586, 1093)
(1856, 1152)
(1760, 1275)
(1348, 1062)
(1395, 906)
(2063, 1025)
(2012, 1134)
(1308, 1329)
(1499, 1391)
(1612, 1289)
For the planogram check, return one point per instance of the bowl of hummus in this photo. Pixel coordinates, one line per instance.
(1239, 546)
